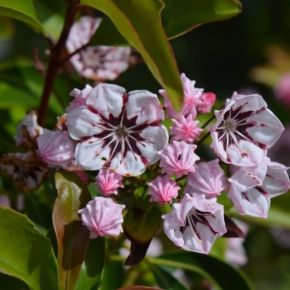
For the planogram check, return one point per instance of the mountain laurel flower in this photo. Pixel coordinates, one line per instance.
(118, 130)
(102, 217)
(108, 181)
(178, 158)
(185, 128)
(162, 189)
(56, 148)
(28, 130)
(206, 102)
(244, 130)
(195, 223)
(191, 98)
(208, 179)
(98, 63)
(251, 189)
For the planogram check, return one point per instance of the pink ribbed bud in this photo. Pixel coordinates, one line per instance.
(163, 190)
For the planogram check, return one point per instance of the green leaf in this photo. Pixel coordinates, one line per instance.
(142, 225)
(11, 283)
(109, 281)
(165, 279)
(26, 254)
(22, 10)
(221, 274)
(276, 218)
(140, 23)
(93, 266)
(72, 236)
(181, 16)
(178, 18)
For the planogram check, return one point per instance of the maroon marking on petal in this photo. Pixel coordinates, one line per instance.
(245, 195)
(93, 110)
(261, 190)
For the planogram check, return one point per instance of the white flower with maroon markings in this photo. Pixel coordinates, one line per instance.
(195, 223)
(98, 63)
(245, 128)
(118, 130)
(251, 188)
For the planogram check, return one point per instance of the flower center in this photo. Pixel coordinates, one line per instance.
(121, 132)
(229, 125)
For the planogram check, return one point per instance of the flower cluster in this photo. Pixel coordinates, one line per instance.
(120, 135)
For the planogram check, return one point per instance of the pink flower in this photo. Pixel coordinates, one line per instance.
(162, 189)
(282, 89)
(108, 181)
(206, 102)
(195, 223)
(178, 158)
(56, 148)
(103, 217)
(98, 63)
(185, 129)
(28, 130)
(244, 129)
(118, 130)
(208, 179)
(252, 188)
(191, 99)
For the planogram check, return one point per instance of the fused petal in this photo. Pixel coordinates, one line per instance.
(195, 223)
(208, 179)
(103, 217)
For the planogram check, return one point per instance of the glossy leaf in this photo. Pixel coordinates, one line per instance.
(26, 254)
(221, 274)
(133, 19)
(93, 265)
(72, 236)
(21, 10)
(178, 18)
(165, 279)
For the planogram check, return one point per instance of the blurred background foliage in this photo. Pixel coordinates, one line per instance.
(219, 56)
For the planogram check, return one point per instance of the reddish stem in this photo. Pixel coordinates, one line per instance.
(55, 60)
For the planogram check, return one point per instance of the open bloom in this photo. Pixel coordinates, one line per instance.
(95, 62)
(244, 129)
(185, 129)
(195, 223)
(118, 130)
(56, 148)
(178, 158)
(103, 217)
(162, 189)
(251, 188)
(108, 181)
(191, 98)
(208, 179)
